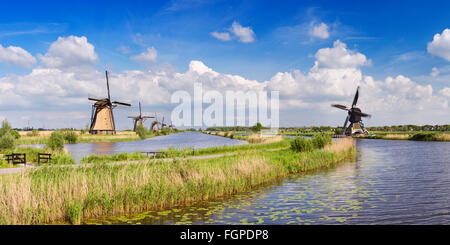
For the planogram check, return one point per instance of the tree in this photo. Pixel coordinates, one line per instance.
(257, 127)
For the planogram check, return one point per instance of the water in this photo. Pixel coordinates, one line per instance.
(391, 182)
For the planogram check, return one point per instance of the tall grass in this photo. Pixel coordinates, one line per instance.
(70, 194)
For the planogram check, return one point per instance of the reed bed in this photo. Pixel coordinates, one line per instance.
(70, 194)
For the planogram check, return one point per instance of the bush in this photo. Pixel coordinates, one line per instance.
(6, 128)
(142, 132)
(62, 159)
(423, 137)
(7, 141)
(56, 141)
(320, 140)
(70, 136)
(301, 144)
(33, 132)
(16, 134)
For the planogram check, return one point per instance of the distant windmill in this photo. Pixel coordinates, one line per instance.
(155, 123)
(102, 117)
(354, 116)
(139, 120)
(163, 125)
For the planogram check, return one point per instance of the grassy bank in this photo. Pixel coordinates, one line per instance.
(69, 194)
(422, 136)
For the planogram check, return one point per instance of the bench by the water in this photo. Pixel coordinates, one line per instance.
(16, 158)
(44, 157)
(153, 154)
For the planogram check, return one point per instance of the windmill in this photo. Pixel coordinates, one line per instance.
(163, 125)
(354, 116)
(139, 120)
(102, 117)
(155, 123)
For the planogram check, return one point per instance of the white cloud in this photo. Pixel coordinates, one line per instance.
(147, 57)
(244, 34)
(440, 46)
(16, 56)
(434, 72)
(320, 31)
(332, 79)
(224, 36)
(69, 52)
(339, 57)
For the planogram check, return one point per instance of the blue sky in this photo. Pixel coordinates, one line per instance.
(392, 35)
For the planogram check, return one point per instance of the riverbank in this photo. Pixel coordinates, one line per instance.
(68, 194)
(422, 136)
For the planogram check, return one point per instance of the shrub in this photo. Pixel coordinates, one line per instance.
(56, 141)
(423, 137)
(33, 132)
(321, 140)
(70, 136)
(142, 132)
(257, 127)
(6, 128)
(16, 134)
(301, 144)
(7, 141)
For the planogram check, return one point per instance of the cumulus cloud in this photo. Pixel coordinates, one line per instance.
(320, 31)
(332, 79)
(236, 31)
(68, 52)
(147, 57)
(16, 56)
(224, 36)
(434, 72)
(339, 57)
(440, 46)
(245, 34)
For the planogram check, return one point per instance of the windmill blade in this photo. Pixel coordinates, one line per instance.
(107, 85)
(345, 124)
(147, 117)
(361, 114)
(121, 103)
(95, 99)
(356, 97)
(140, 111)
(342, 107)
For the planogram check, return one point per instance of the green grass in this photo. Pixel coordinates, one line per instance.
(118, 157)
(70, 194)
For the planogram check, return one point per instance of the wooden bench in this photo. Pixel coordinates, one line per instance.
(44, 157)
(16, 158)
(153, 154)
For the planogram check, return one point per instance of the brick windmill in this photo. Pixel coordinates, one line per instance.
(102, 117)
(139, 120)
